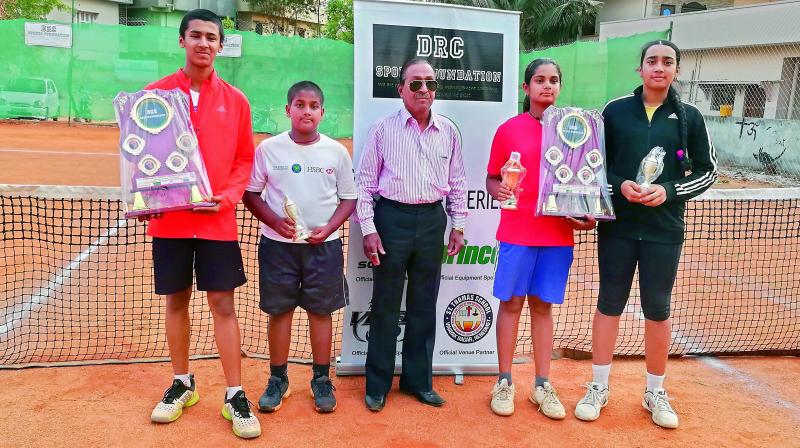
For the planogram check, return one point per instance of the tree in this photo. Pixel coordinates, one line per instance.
(286, 12)
(544, 23)
(340, 20)
(28, 9)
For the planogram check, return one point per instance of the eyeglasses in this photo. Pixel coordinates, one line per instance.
(416, 84)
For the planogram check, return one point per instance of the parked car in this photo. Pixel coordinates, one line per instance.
(29, 98)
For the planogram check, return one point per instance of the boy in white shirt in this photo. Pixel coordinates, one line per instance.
(316, 173)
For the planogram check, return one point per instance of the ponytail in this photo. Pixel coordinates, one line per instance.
(675, 99)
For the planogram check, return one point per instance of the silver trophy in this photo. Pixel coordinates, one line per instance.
(300, 229)
(651, 167)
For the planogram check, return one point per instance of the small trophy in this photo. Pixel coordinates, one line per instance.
(651, 167)
(300, 230)
(512, 173)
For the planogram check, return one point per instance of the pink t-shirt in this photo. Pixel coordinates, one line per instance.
(523, 134)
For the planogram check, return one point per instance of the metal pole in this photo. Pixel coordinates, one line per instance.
(71, 57)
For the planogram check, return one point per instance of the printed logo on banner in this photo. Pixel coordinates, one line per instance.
(468, 318)
(468, 64)
(360, 320)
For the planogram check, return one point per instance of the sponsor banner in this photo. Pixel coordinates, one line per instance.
(231, 46)
(475, 55)
(48, 34)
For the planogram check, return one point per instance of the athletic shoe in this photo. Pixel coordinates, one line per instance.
(176, 397)
(237, 410)
(547, 399)
(322, 391)
(503, 398)
(272, 398)
(596, 398)
(658, 405)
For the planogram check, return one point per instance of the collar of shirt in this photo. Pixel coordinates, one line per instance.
(405, 116)
(185, 82)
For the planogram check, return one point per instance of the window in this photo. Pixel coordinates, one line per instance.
(721, 94)
(667, 10)
(85, 17)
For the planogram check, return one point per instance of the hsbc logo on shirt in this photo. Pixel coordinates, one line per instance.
(298, 168)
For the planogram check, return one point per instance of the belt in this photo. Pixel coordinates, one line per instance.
(404, 205)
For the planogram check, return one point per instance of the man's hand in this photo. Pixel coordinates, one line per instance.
(586, 223)
(143, 218)
(319, 235)
(372, 247)
(210, 209)
(456, 242)
(632, 191)
(654, 196)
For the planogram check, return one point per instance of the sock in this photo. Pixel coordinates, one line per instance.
(185, 379)
(540, 380)
(654, 382)
(600, 374)
(231, 391)
(321, 370)
(279, 371)
(505, 376)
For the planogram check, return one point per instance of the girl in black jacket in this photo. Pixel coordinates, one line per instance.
(649, 227)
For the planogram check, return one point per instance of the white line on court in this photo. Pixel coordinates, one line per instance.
(55, 152)
(20, 313)
(762, 391)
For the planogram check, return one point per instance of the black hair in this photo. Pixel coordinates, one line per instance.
(303, 86)
(204, 15)
(530, 70)
(409, 63)
(675, 98)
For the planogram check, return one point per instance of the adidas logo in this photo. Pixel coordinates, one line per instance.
(673, 116)
(221, 109)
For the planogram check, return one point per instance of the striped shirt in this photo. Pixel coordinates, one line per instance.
(405, 164)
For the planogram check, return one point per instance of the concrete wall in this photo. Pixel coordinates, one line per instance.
(737, 140)
(107, 11)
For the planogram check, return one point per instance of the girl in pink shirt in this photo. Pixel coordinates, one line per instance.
(535, 251)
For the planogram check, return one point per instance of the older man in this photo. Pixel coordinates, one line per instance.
(410, 164)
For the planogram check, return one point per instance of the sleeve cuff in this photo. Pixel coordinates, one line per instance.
(368, 228)
(458, 221)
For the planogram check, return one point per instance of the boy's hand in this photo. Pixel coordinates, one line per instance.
(210, 209)
(143, 218)
(319, 235)
(586, 223)
(284, 227)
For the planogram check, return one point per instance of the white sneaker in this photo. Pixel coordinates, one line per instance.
(547, 399)
(176, 397)
(658, 405)
(596, 398)
(503, 398)
(237, 410)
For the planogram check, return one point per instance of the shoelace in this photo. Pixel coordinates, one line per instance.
(174, 392)
(550, 397)
(241, 405)
(503, 392)
(274, 386)
(325, 387)
(662, 403)
(592, 397)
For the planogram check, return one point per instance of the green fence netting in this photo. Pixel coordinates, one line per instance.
(107, 59)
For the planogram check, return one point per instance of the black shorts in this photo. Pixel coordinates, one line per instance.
(658, 266)
(218, 264)
(310, 276)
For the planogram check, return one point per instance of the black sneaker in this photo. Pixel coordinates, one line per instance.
(272, 398)
(237, 410)
(176, 397)
(322, 390)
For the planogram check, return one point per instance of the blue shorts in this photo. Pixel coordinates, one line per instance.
(540, 271)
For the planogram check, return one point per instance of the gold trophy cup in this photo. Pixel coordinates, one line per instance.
(301, 231)
(512, 174)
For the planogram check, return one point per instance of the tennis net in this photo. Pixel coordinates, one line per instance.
(76, 283)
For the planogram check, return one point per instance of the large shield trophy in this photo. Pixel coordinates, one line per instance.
(161, 168)
(572, 180)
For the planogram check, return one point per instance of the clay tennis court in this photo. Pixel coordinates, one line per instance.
(727, 401)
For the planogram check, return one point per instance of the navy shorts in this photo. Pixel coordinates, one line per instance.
(658, 266)
(310, 276)
(540, 271)
(217, 264)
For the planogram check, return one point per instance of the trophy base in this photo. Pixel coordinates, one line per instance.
(509, 204)
(299, 236)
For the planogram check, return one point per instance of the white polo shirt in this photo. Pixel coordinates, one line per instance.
(316, 177)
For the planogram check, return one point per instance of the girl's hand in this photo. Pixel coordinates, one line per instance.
(654, 196)
(632, 191)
